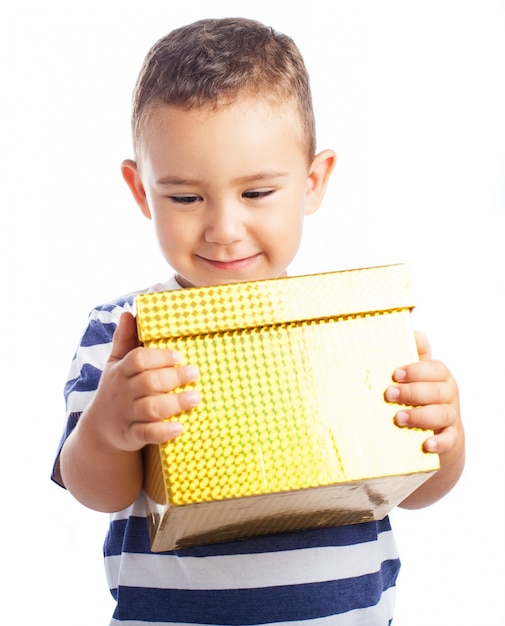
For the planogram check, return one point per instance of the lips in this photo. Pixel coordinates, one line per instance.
(232, 265)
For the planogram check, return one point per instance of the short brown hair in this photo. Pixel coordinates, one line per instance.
(212, 61)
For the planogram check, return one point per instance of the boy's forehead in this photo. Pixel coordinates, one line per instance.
(165, 117)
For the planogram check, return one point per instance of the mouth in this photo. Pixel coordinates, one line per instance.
(232, 265)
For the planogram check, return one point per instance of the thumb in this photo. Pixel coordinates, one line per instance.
(423, 346)
(125, 338)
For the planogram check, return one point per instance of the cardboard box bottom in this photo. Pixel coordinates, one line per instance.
(176, 527)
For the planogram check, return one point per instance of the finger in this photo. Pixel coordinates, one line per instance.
(429, 371)
(431, 417)
(144, 359)
(165, 405)
(423, 346)
(162, 380)
(125, 337)
(155, 432)
(422, 393)
(442, 441)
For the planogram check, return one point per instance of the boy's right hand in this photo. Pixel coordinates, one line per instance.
(133, 394)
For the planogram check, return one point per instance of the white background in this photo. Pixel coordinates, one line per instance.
(411, 96)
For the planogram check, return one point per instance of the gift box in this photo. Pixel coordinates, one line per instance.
(293, 431)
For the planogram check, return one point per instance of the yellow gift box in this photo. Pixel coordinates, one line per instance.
(293, 431)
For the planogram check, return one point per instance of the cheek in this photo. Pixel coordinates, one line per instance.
(284, 234)
(288, 225)
(170, 237)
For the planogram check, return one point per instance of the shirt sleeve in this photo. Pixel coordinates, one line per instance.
(85, 371)
(90, 359)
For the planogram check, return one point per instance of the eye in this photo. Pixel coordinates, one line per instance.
(258, 193)
(184, 199)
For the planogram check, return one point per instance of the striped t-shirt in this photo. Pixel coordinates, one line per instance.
(341, 576)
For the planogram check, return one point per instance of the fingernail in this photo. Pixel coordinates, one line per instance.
(176, 356)
(176, 428)
(192, 398)
(399, 375)
(430, 445)
(402, 417)
(192, 372)
(392, 393)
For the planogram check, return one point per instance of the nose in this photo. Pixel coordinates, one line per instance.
(225, 224)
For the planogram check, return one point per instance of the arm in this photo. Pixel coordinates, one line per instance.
(101, 460)
(431, 390)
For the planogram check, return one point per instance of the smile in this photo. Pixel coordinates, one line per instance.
(233, 265)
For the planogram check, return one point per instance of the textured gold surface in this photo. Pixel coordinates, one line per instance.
(293, 373)
(262, 303)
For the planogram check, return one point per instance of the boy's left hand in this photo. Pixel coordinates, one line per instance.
(430, 389)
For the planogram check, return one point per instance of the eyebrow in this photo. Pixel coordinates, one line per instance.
(263, 175)
(174, 180)
(256, 177)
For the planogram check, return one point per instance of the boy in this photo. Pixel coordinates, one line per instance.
(225, 166)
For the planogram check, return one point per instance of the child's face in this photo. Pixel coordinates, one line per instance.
(227, 189)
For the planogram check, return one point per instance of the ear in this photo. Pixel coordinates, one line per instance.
(131, 174)
(317, 179)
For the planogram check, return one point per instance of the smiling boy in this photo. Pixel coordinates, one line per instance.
(225, 167)
(229, 196)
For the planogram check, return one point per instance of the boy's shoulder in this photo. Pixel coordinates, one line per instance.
(126, 302)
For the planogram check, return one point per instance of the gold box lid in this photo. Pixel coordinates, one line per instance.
(245, 305)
